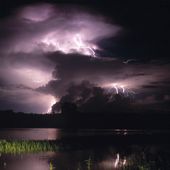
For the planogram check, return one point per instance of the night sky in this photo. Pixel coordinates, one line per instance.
(91, 53)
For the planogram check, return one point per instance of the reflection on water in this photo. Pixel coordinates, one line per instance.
(112, 163)
(30, 134)
(25, 162)
(129, 158)
(106, 156)
(55, 134)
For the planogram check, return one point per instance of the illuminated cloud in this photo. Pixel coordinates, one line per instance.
(47, 27)
(37, 13)
(29, 37)
(46, 48)
(24, 99)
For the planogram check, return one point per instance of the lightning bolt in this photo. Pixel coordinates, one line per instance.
(123, 89)
(52, 102)
(74, 43)
(116, 88)
(59, 47)
(78, 41)
(129, 60)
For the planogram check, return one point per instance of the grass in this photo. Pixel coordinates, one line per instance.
(14, 147)
(51, 167)
(89, 163)
(139, 160)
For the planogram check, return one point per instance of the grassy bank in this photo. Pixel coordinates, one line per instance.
(15, 147)
(137, 158)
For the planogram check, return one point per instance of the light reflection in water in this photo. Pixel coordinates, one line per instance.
(26, 162)
(52, 161)
(55, 134)
(100, 159)
(30, 134)
(117, 160)
(104, 158)
(114, 163)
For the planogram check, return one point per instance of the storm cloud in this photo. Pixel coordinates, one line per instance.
(84, 97)
(34, 31)
(48, 52)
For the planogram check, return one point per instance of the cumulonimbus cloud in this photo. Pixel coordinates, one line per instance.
(45, 48)
(36, 30)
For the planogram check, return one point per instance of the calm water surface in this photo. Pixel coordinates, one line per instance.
(55, 134)
(30, 134)
(103, 157)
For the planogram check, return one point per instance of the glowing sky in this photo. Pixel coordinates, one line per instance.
(48, 47)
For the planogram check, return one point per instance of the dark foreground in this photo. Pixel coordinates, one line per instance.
(85, 153)
(84, 149)
(85, 142)
(159, 121)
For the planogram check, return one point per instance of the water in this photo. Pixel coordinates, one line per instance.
(30, 134)
(56, 134)
(88, 150)
(104, 158)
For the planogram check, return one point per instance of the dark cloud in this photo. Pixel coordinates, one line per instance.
(147, 83)
(78, 55)
(75, 68)
(89, 98)
(26, 39)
